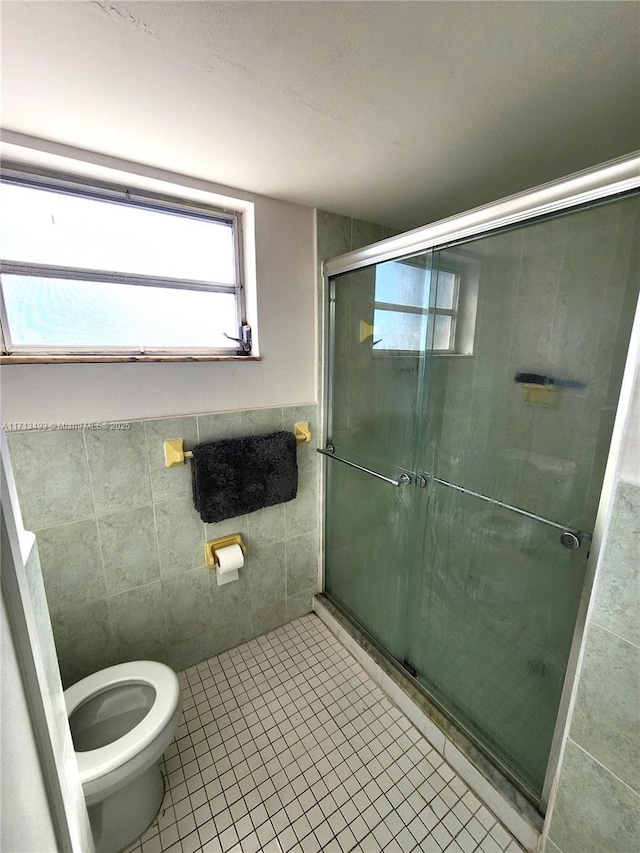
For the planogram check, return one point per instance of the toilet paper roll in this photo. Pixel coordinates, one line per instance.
(230, 559)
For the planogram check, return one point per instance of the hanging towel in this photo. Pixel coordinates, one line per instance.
(234, 476)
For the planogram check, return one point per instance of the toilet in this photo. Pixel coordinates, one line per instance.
(122, 719)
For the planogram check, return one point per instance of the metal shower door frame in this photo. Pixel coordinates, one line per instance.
(616, 177)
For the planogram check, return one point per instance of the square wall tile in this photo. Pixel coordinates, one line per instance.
(71, 564)
(220, 425)
(52, 477)
(590, 248)
(168, 483)
(594, 812)
(334, 234)
(179, 656)
(266, 570)
(187, 604)
(83, 641)
(364, 233)
(263, 421)
(541, 261)
(231, 601)
(180, 536)
(129, 549)
(617, 597)
(118, 468)
(138, 622)
(215, 530)
(269, 617)
(301, 558)
(265, 526)
(300, 604)
(301, 514)
(606, 719)
(231, 611)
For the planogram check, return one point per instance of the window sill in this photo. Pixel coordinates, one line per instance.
(102, 359)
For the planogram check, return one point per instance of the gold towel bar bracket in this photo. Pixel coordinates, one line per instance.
(302, 431)
(175, 454)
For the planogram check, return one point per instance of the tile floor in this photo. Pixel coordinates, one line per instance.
(285, 744)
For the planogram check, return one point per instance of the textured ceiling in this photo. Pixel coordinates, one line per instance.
(396, 112)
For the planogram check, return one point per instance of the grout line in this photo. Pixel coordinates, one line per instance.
(604, 767)
(594, 621)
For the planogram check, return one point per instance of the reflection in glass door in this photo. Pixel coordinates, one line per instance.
(489, 372)
(378, 329)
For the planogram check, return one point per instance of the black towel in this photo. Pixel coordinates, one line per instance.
(235, 476)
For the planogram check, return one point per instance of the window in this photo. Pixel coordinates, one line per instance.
(444, 312)
(408, 295)
(98, 270)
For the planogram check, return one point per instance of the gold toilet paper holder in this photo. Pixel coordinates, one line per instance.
(214, 545)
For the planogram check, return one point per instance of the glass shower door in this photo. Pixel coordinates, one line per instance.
(378, 328)
(515, 435)
(473, 391)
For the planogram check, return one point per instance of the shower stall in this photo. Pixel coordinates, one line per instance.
(473, 373)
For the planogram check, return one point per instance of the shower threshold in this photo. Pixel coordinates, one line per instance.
(488, 779)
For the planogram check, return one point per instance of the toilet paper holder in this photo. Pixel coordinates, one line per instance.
(214, 545)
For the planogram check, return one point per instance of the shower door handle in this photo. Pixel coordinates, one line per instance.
(329, 451)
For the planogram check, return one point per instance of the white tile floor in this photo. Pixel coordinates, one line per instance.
(285, 744)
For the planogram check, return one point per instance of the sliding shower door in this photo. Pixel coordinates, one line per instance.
(516, 432)
(375, 406)
(488, 372)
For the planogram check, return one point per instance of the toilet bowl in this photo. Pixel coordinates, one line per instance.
(122, 719)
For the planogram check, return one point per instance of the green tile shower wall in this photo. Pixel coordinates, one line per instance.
(597, 809)
(121, 546)
(336, 235)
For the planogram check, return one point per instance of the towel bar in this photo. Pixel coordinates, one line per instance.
(175, 454)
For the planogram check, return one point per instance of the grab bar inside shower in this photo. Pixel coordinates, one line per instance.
(330, 452)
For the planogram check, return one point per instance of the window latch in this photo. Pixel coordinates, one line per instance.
(245, 337)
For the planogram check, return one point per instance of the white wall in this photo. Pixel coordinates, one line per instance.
(26, 823)
(285, 263)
